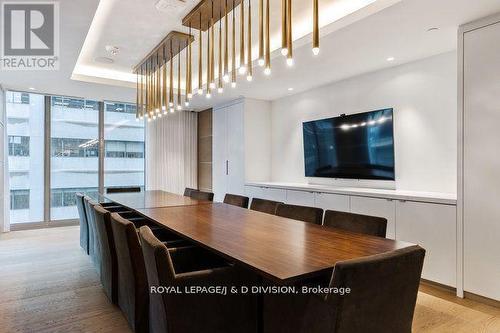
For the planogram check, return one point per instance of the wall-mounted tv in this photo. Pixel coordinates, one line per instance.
(357, 146)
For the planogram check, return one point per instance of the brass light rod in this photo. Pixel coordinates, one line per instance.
(315, 43)
(289, 60)
(233, 51)
(249, 42)
(267, 69)
(284, 28)
(219, 79)
(179, 105)
(261, 33)
(242, 69)
(226, 56)
(200, 62)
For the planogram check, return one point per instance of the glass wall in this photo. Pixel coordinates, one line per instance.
(73, 150)
(123, 146)
(74, 153)
(25, 130)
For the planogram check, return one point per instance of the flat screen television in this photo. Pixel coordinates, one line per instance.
(357, 146)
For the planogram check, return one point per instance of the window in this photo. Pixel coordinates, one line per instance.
(74, 148)
(25, 130)
(19, 199)
(18, 98)
(123, 146)
(66, 197)
(66, 147)
(74, 152)
(19, 145)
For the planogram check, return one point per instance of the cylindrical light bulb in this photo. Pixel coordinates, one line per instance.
(233, 84)
(261, 62)
(242, 70)
(267, 71)
(208, 95)
(190, 95)
(315, 50)
(284, 51)
(200, 91)
(220, 90)
(212, 85)
(186, 103)
(179, 107)
(249, 78)
(289, 61)
(225, 78)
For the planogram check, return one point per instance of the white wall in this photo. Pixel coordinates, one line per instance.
(423, 95)
(257, 122)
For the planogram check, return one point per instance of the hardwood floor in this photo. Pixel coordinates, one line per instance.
(47, 284)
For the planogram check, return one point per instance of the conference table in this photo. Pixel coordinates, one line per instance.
(283, 250)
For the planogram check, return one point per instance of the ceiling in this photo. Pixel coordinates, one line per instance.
(351, 44)
(357, 36)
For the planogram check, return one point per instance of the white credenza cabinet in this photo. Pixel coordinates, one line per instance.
(431, 225)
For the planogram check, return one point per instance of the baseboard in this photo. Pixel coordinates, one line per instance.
(482, 299)
(41, 225)
(439, 286)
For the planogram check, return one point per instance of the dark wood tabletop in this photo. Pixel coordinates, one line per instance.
(152, 199)
(282, 249)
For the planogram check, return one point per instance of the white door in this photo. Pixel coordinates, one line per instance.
(377, 207)
(433, 227)
(235, 141)
(481, 168)
(219, 154)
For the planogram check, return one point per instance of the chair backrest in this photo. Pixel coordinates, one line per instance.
(94, 250)
(109, 265)
(264, 206)
(200, 195)
(301, 213)
(153, 250)
(363, 224)
(133, 293)
(84, 225)
(110, 190)
(187, 191)
(236, 200)
(383, 292)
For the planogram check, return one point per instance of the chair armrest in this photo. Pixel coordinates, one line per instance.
(220, 275)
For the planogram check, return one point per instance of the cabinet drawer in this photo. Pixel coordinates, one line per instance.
(377, 207)
(302, 198)
(331, 201)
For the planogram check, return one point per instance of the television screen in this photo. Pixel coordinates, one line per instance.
(358, 146)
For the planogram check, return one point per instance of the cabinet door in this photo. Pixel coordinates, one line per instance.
(219, 154)
(481, 166)
(253, 191)
(301, 198)
(235, 140)
(434, 227)
(275, 194)
(377, 207)
(331, 201)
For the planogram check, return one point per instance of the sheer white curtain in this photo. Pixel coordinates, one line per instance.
(171, 152)
(4, 168)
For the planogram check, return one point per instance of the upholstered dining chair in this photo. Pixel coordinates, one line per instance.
(187, 191)
(109, 265)
(132, 291)
(382, 296)
(200, 195)
(111, 190)
(301, 213)
(84, 225)
(93, 244)
(193, 313)
(236, 200)
(264, 206)
(363, 224)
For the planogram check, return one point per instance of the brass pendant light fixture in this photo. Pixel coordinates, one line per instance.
(155, 73)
